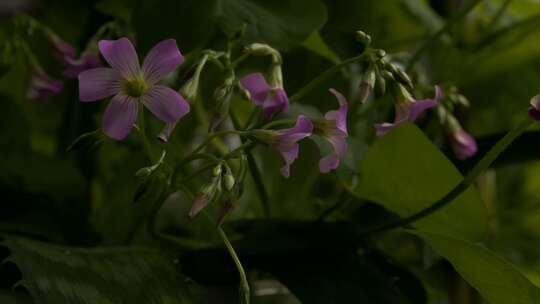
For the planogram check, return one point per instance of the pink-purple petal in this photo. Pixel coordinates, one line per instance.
(120, 116)
(418, 107)
(289, 154)
(121, 55)
(463, 144)
(165, 103)
(286, 142)
(338, 141)
(162, 59)
(276, 101)
(383, 128)
(42, 86)
(257, 87)
(340, 115)
(87, 61)
(98, 83)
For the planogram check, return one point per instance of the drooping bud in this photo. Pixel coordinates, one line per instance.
(380, 54)
(380, 85)
(261, 49)
(403, 77)
(228, 179)
(224, 211)
(216, 172)
(462, 143)
(190, 88)
(367, 84)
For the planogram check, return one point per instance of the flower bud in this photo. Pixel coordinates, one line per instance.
(379, 54)
(363, 38)
(217, 170)
(380, 85)
(228, 179)
(403, 77)
(367, 84)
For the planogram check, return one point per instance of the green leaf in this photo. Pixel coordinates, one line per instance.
(57, 274)
(498, 281)
(405, 172)
(281, 24)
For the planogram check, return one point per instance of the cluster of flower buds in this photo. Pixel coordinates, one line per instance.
(222, 188)
(462, 143)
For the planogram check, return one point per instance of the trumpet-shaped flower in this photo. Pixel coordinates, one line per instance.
(334, 130)
(271, 99)
(131, 84)
(285, 141)
(408, 109)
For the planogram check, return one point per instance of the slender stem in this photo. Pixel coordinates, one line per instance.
(282, 122)
(259, 184)
(313, 84)
(480, 167)
(214, 135)
(445, 28)
(239, 60)
(144, 139)
(244, 285)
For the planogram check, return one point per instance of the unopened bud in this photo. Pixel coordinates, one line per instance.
(261, 49)
(380, 85)
(403, 77)
(217, 170)
(386, 75)
(367, 84)
(228, 180)
(379, 54)
(363, 38)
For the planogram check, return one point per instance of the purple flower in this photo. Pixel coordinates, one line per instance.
(334, 130)
(271, 99)
(408, 109)
(129, 84)
(87, 61)
(285, 141)
(534, 109)
(42, 86)
(463, 144)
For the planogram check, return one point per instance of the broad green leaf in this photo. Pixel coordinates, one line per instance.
(58, 274)
(498, 281)
(279, 23)
(282, 24)
(405, 172)
(316, 44)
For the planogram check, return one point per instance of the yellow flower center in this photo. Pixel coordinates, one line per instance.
(135, 87)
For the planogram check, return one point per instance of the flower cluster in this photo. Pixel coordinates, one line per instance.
(273, 100)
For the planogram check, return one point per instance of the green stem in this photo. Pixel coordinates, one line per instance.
(313, 84)
(144, 139)
(214, 135)
(259, 184)
(445, 28)
(282, 122)
(480, 167)
(244, 285)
